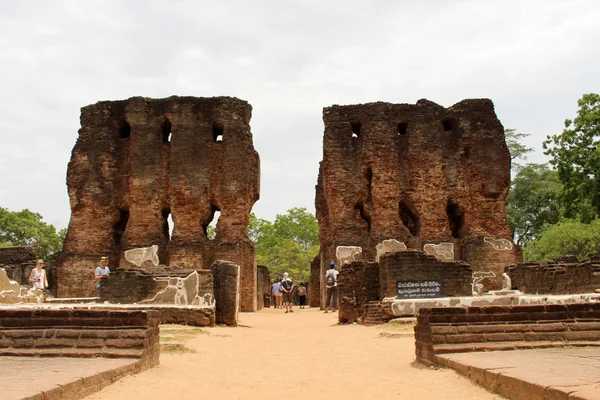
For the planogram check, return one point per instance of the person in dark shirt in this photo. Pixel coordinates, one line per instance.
(287, 287)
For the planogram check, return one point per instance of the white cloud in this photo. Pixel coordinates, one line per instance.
(289, 59)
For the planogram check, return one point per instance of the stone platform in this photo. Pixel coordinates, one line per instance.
(542, 374)
(395, 308)
(34, 378)
(169, 313)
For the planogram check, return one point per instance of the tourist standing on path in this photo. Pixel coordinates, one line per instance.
(287, 286)
(331, 284)
(302, 295)
(276, 293)
(102, 272)
(37, 277)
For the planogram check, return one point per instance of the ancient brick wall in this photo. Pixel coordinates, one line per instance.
(419, 174)
(80, 333)
(358, 284)
(360, 280)
(226, 278)
(263, 287)
(314, 298)
(454, 276)
(462, 329)
(18, 261)
(561, 276)
(137, 162)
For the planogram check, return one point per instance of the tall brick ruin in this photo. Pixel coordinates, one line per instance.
(137, 162)
(418, 173)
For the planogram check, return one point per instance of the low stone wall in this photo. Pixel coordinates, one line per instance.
(561, 276)
(455, 276)
(80, 333)
(465, 329)
(142, 285)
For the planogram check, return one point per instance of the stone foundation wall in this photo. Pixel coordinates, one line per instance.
(464, 329)
(561, 276)
(134, 286)
(80, 333)
(455, 276)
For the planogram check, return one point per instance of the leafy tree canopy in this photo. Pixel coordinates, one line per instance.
(566, 237)
(288, 244)
(576, 155)
(533, 202)
(26, 228)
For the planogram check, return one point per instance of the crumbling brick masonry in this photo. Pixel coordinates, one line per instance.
(137, 162)
(418, 173)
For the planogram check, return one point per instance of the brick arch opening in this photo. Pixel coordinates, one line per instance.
(409, 218)
(210, 226)
(356, 127)
(456, 219)
(217, 132)
(120, 225)
(124, 129)
(165, 129)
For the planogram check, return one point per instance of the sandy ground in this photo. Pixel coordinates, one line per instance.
(304, 355)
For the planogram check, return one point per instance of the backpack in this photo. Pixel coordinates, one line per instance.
(287, 285)
(330, 278)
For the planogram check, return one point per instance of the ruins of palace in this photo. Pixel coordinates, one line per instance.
(429, 177)
(138, 162)
(410, 202)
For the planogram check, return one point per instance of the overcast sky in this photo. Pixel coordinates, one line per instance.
(289, 59)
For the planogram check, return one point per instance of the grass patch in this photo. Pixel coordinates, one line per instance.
(174, 337)
(175, 348)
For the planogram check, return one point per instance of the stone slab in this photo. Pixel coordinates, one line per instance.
(52, 378)
(411, 307)
(565, 373)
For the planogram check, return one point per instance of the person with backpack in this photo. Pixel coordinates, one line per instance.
(287, 287)
(331, 284)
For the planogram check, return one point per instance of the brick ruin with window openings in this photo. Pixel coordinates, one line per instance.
(418, 173)
(141, 163)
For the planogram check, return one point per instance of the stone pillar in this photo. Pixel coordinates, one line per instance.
(226, 281)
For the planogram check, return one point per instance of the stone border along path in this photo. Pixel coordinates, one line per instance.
(48, 378)
(544, 374)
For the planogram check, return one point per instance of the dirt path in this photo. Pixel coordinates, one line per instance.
(304, 355)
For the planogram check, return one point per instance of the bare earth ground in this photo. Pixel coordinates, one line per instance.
(304, 355)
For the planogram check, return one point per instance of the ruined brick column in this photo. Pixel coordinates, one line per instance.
(137, 162)
(418, 173)
(226, 278)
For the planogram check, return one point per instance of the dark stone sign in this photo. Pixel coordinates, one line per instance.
(419, 289)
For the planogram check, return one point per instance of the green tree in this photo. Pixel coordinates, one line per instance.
(533, 202)
(288, 244)
(516, 148)
(26, 228)
(566, 237)
(576, 156)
